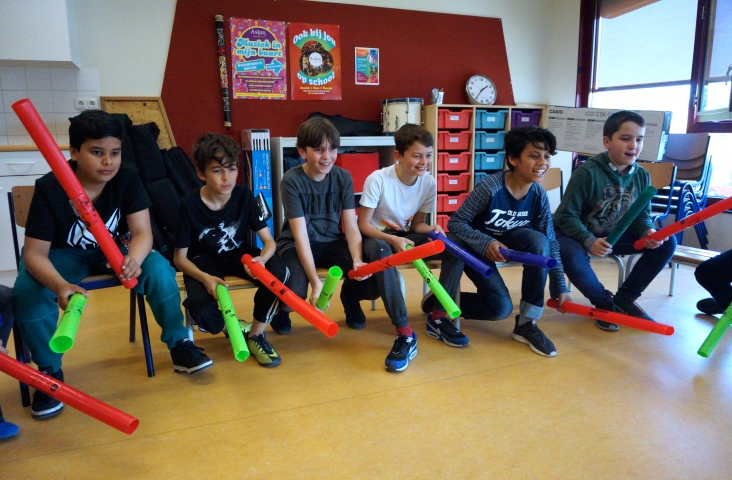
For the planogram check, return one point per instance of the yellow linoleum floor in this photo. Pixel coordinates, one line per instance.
(610, 405)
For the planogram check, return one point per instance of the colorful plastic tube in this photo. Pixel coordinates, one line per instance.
(331, 281)
(65, 335)
(74, 398)
(633, 211)
(530, 259)
(470, 260)
(409, 255)
(440, 294)
(84, 207)
(307, 311)
(687, 222)
(716, 334)
(612, 317)
(241, 352)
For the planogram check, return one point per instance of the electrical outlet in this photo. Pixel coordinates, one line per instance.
(86, 103)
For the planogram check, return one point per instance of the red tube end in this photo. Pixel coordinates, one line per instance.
(331, 330)
(132, 426)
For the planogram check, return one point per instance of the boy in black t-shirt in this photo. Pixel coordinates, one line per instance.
(213, 235)
(60, 251)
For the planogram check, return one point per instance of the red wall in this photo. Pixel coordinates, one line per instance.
(418, 51)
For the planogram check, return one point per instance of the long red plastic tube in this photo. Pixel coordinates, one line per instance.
(74, 398)
(612, 317)
(71, 185)
(291, 299)
(416, 253)
(687, 222)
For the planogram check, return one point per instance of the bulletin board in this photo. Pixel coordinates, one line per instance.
(418, 51)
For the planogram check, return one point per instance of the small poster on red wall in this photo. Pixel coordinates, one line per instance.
(258, 66)
(315, 61)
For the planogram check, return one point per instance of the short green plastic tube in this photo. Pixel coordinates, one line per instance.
(716, 334)
(331, 281)
(241, 352)
(442, 296)
(63, 339)
(633, 211)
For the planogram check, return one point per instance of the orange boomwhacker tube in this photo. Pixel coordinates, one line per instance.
(74, 398)
(612, 317)
(307, 311)
(407, 256)
(84, 207)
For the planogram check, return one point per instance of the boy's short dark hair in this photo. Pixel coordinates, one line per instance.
(92, 125)
(214, 147)
(314, 131)
(517, 139)
(614, 121)
(410, 133)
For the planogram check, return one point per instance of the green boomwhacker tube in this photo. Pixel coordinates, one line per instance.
(716, 334)
(331, 281)
(445, 300)
(63, 339)
(635, 209)
(241, 352)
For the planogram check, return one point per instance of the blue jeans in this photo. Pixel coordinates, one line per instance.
(577, 267)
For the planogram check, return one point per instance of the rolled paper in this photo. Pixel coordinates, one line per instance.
(470, 260)
(633, 211)
(530, 259)
(72, 397)
(684, 223)
(716, 334)
(84, 207)
(440, 294)
(331, 281)
(63, 339)
(612, 317)
(292, 300)
(241, 352)
(409, 255)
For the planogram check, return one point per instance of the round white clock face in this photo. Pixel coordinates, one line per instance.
(480, 90)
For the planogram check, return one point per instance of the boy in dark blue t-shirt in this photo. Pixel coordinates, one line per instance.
(510, 210)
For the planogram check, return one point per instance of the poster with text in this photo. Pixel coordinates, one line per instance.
(258, 65)
(315, 61)
(367, 66)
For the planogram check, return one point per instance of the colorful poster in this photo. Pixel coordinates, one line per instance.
(367, 66)
(259, 68)
(315, 61)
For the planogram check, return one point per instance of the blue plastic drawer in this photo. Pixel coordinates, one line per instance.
(489, 161)
(489, 141)
(490, 119)
(479, 176)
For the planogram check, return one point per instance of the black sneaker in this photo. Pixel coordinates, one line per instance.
(403, 350)
(445, 330)
(188, 358)
(630, 307)
(607, 326)
(529, 334)
(428, 302)
(263, 351)
(45, 406)
(355, 317)
(281, 323)
(709, 306)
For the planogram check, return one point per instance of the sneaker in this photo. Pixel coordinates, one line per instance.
(630, 307)
(281, 323)
(607, 326)
(428, 302)
(529, 334)
(403, 350)
(188, 358)
(445, 330)
(245, 326)
(263, 351)
(45, 406)
(709, 306)
(355, 317)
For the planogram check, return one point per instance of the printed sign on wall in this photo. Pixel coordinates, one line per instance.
(259, 68)
(367, 66)
(315, 61)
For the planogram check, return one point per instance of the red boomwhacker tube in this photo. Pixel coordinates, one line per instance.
(407, 256)
(612, 317)
(291, 299)
(39, 133)
(688, 222)
(74, 398)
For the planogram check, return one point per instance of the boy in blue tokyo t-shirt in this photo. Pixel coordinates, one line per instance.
(510, 210)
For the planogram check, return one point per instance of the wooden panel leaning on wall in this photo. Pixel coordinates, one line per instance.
(143, 110)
